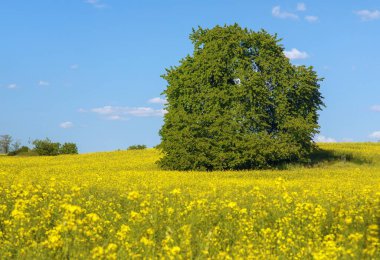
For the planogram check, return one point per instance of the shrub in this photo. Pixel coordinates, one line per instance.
(21, 150)
(68, 148)
(46, 147)
(137, 147)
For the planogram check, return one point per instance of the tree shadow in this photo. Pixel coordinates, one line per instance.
(327, 156)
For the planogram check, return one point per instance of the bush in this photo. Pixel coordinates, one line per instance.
(21, 150)
(46, 147)
(137, 147)
(68, 148)
(29, 153)
(238, 103)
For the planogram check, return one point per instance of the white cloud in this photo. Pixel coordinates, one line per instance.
(324, 139)
(311, 18)
(367, 15)
(375, 135)
(12, 86)
(276, 12)
(115, 117)
(120, 113)
(157, 100)
(82, 110)
(301, 7)
(66, 125)
(74, 66)
(295, 54)
(375, 108)
(43, 83)
(96, 3)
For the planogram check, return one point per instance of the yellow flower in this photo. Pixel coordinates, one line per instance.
(97, 252)
(122, 233)
(176, 191)
(133, 195)
(348, 220)
(146, 241)
(175, 250)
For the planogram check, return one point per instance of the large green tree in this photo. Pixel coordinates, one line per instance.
(238, 103)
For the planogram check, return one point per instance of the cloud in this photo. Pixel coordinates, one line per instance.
(96, 3)
(375, 108)
(367, 15)
(311, 18)
(324, 139)
(157, 100)
(43, 83)
(295, 54)
(74, 66)
(120, 113)
(276, 12)
(12, 86)
(301, 7)
(375, 135)
(66, 125)
(115, 117)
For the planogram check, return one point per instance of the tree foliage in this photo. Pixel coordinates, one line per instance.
(137, 147)
(238, 103)
(5, 142)
(46, 147)
(23, 150)
(68, 148)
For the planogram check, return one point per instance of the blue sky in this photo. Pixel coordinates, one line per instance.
(88, 71)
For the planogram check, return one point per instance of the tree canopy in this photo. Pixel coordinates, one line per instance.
(238, 103)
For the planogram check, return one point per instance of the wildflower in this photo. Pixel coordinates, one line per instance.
(133, 195)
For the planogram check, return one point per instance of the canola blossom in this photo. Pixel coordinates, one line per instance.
(121, 205)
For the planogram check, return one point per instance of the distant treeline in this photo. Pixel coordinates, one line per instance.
(43, 147)
(137, 147)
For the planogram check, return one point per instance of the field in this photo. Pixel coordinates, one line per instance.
(120, 205)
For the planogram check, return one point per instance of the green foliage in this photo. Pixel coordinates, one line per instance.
(68, 148)
(137, 147)
(46, 147)
(5, 142)
(22, 150)
(43, 147)
(238, 103)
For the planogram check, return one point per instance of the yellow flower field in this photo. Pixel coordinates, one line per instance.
(120, 205)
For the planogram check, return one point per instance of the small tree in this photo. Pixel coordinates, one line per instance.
(68, 148)
(46, 147)
(137, 147)
(238, 103)
(5, 142)
(16, 146)
(23, 150)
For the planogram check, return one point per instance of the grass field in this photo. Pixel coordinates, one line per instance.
(119, 204)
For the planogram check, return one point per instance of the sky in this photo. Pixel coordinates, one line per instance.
(88, 71)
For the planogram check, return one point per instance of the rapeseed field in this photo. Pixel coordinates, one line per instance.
(121, 205)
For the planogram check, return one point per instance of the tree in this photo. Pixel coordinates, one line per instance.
(5, 142)
(16, 146)
(46, 147)
(68, 148)
(23, 150)
(137, 147)
(238, 103)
